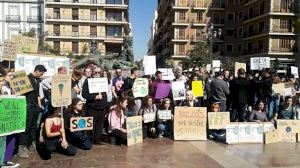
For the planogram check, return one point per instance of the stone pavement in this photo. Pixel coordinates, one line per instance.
(166, 153)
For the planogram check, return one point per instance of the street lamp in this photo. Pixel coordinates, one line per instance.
(212, 34)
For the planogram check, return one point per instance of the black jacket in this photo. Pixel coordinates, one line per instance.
(186, 103)
(239, 88)
(90, 98)
(32, 97)
(265, 87)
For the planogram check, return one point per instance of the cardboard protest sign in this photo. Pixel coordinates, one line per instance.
(237, 66)
(98, 85)
(27, 63)
(268, 127)
(20, 83)
(26, 44)
(271, 137)
(164, 114)
(216, 63)
(2, 148)
(190, 123)
(279, 88)
(9, 50)
(167, 73)
(140, 87)
(162, 90)
(12, 115)
(149, 117)
(294, 71)
(288, 126)
(81, 123)
(149, 64)
(178, 90)
(259, 63)
(134, 130)
(232, 133)
(198, 88)
(287, 136)
(218, 120)
(61, 90)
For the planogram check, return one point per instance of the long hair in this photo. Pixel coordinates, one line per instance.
(118, 108)
(145, 103)
(73, 105)
(257, 105)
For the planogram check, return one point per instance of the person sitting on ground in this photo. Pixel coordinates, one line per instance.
(116, 120)
(214, 133)
(80, 139)
(287, 110)
(258, 114)
(149, 111)
(55, 137)
(164, 126)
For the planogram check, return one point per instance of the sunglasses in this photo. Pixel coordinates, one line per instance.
(96, 72)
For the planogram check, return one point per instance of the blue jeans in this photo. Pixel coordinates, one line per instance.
(273, 106)
(80, 139)
(239, 112)
(164, 128)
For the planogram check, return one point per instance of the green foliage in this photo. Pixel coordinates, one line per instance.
(30, 33)
(199, 56)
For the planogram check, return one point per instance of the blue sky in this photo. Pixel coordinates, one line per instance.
(141, 16)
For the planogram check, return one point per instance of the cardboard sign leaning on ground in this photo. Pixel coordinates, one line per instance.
(98, 85)
(288, 126)
(134, 130)
(190, 123)
(140, 87)
(164, 114)
(237, 66)
(259, 63)
(178, 90)
(218, 120)
(20, 83)
(271, 137)
(12, 115)
(61, 90)
(9, 50)
(81, 123)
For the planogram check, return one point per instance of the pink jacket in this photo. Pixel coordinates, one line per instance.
(114, 121)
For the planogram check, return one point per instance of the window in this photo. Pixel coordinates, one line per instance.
(250, 47)
(181, 16)
(93, 14)
(199, 33)
(216, 18)
(229, 48)
(240, 31)
(285, 43)
(56, 13)
(113, 31)
(261, 27)
(230, 16)
(285, 24)
(75, 47)
(262, 8)
(260, 45)
(199, 17)
(181, 34)
(75, 14)
(239, 48)
(230, 32)
(251, 13)
(250, 29)
(240, 15)
(181, 49)
(34, 11)
(56, 30)
(75, 32)
(56, 45)
(113, 16)
(13, 10)
(231, 2)
(93, 31)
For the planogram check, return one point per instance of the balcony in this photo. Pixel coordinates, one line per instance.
(89, 3)
(13, 18)
(34, 19)
(202, 22)
(181, 5)
(200, 5)
(78, 35)
(182, 38)
(181, 22)
(196, 39)
(276, 29)
(217, 6)
(86, 19)
(284, 9)
(283, 49)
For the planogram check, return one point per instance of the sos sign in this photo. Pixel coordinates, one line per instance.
(81, 123)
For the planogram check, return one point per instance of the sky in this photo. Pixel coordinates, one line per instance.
(141, 14)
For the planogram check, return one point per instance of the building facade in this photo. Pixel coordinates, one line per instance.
(20, 16)
(84, 26)
(246, 28)
(153, 31)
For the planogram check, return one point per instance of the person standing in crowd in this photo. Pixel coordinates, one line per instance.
(87, 72)
(164, 126)
(158, 80)
(239, 88)
(190, 100)
(55, 136)
(178, 75)
(219, 90)
(127, 88)
(28, 137)
(109, 93)
(117, 84)
(116, 120)
(96, 104)
(149, 109)
(287, 110)
(258, 114)
(10, 139)
(297, 108)
(76, 76)
(274, 100)
(80, 139)
(265, 87)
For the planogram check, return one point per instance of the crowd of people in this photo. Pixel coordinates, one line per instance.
(248, 97)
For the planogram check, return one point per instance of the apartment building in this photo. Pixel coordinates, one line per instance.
(20, 16)
(153, 31)
(246, 28)
(84, 26)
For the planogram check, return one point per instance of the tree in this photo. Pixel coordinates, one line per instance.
(30, 33)
(199, 56)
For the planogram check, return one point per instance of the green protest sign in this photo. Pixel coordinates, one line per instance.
(2, 148)
(12, 115)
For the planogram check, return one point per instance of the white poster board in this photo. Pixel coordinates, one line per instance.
(149, 64)
(164, 114)
(167, 73)
(98, 85)
(259, 63)
(232, 133)
(178, 90)
(294, 71)
(216, 63)
(149, 117)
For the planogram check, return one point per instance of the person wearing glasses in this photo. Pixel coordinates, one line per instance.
(117, 83)
(80, 139)
(96, 104)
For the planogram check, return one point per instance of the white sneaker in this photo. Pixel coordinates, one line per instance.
(10, 165)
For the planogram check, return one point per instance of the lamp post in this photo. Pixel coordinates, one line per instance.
(212, 34)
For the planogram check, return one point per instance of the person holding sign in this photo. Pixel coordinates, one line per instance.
(55, 137)
(287, 110)
(164, 116)
(214, 133)
(79, 138)
(116, 120)
(149, 111)
(5, 88)
(28, 137)
(96, 104)
(258, 114)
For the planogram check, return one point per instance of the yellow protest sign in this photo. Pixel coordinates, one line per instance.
(20, 83)
(190, 123)
(197, 88)
(61, 90)
(134, 130)
(218, 120)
